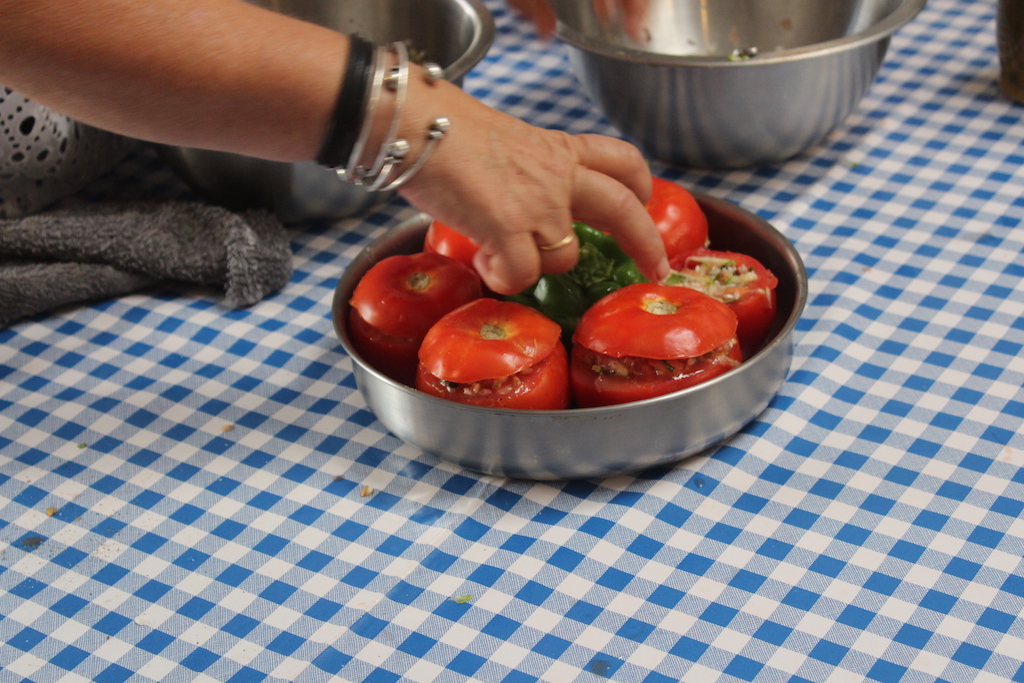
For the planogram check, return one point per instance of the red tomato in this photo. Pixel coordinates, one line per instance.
(497, 354)
(392, 355)
(398, 300)
(737, 280)
(655, 321)
(680, 220)
(441, 239)
(647, 340)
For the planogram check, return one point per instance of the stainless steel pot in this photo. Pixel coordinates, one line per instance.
(731, 83)
(591, 442)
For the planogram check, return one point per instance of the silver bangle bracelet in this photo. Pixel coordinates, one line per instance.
(435, 133)
(352, 171)
(393, 150)
(438, 128)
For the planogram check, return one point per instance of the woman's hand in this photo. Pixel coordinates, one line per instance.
(514, 188)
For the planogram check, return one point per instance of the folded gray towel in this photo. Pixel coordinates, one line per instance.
(98, 251)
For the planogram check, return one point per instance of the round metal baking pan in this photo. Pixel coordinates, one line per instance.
(591, 442)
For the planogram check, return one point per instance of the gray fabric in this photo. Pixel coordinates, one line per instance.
(98, 251)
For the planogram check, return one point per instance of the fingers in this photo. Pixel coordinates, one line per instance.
(604, 10)
(630, 14)
(558, 255)
(616, 159)
(539, 12)
(609, 193)
(634, 19)
(608, 205)
(515, 261)
(506, 272)
(609, 185)
(555, 246)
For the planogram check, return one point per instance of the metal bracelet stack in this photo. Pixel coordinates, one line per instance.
(380, 174)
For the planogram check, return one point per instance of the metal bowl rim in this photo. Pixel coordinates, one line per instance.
(483, 39)
(415, 223)
(876, 32)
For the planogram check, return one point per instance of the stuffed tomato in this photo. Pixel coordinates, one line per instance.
(737, 280)
(496, 354)
(647, 340)
(398, 300)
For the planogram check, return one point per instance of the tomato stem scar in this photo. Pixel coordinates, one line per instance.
(660, 307)
(418, 281)
(491, 332)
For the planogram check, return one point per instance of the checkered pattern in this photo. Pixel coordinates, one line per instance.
(189, 493)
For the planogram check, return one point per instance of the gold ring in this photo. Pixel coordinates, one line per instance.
(565, 241)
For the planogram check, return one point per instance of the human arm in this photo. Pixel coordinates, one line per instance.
(221, 74)
(213, 74)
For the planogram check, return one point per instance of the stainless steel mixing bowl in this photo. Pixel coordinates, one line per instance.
(453, 33)
(731, 83)
(590, 442)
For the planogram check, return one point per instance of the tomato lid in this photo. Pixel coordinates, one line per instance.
(404, 295)
(441, 239)
(649, 320)
(487, 339)
(680, 220)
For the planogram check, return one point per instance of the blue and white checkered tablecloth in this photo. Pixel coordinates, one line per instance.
(189, 493)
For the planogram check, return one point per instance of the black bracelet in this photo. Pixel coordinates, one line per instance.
(348, 111)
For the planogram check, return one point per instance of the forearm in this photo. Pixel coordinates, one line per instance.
(217, 74)
(224, 75)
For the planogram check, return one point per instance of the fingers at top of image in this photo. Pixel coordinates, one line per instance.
(558, 254)
(539, 12)
(634, 19)
(631, 15)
